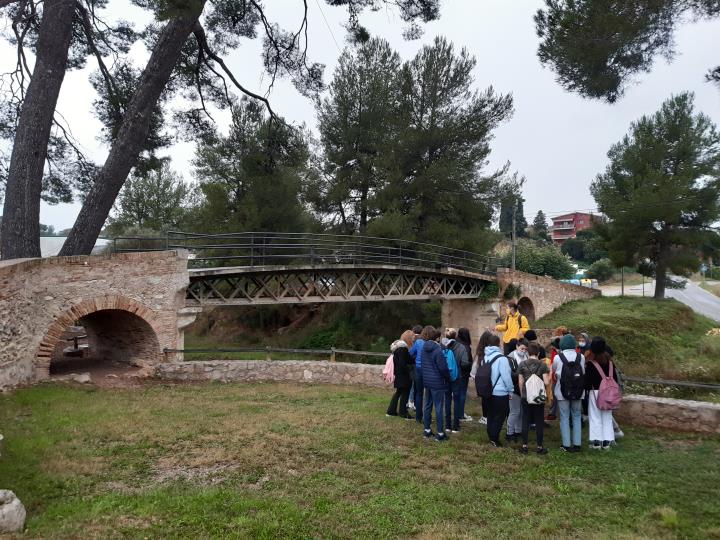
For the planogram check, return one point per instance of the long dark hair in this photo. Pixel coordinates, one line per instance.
(484, 341)
(463, 336)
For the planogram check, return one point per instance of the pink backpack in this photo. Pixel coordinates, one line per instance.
(609, 394)
(388, 373)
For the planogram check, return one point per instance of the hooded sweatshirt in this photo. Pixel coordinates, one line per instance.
(500, 372)
(416, 352)
(435, 372)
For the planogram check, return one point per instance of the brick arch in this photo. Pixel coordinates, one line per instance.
(87, 308)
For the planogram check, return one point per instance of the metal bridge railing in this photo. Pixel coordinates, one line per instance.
(307, 249)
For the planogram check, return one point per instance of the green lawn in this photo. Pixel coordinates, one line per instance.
(291, 461)
(651, 338)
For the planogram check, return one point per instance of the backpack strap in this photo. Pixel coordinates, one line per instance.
(490, 363)
(562, 358)
(599, 369)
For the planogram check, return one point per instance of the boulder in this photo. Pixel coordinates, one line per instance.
(12, 512)
(82, 378)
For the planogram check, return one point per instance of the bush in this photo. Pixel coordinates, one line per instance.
(540, 259)
(601, 270)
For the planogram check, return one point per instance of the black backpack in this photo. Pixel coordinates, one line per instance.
(461, 355)
(483, 382)
(572, 378)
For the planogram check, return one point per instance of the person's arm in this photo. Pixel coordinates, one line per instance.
(475, 366)
(524, 324)
(506, 375)
(521, 381)
(413, 351)
(503, 326)
(546, 378)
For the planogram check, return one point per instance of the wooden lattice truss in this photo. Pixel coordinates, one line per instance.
(290, 286)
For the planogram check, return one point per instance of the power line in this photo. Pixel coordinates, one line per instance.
(327, 24)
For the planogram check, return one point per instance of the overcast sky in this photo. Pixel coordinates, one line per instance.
(556, 139)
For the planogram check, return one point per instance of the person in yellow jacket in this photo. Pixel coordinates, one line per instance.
(514, 327)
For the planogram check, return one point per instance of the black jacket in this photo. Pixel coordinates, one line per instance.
(592, 377)
(402, 362)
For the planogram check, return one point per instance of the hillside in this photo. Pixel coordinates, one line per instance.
(650, 338)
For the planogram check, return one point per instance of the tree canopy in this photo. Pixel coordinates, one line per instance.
(661, 191)
(405, 146)
(187, 42)
(597, 47)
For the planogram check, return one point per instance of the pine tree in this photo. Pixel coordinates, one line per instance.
(661, 191)
(540, 226)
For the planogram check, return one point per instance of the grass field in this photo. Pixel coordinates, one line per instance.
(289, 461)
(651, 338)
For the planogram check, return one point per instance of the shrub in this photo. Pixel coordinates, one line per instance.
(601, 270)
(540, 259)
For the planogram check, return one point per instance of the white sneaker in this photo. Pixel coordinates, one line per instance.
(411, 405)
(466, 418)
(619, 434)
(482, 420)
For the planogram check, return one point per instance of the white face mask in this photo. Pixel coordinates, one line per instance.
(581, 344)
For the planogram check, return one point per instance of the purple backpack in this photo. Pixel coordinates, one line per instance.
(609, 394)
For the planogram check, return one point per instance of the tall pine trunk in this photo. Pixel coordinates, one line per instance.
(660, 278)
(21, 214)
(131, 136)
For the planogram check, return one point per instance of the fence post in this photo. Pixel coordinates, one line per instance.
(332, 354)
(267, 354)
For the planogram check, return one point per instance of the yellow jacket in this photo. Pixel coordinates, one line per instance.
(513, 326)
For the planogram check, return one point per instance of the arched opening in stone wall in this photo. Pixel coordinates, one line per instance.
(100, 338)
(526, 307)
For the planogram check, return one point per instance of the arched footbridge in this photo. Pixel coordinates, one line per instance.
(286, 268)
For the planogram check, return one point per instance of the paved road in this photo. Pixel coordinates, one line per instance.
(694, 296)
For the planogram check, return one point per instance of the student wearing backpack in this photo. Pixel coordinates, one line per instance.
(479, 357)
(466, 364)
(517, 356)
(494, 379)
(533, 378)
(417, 329)
(401, 367)
(569, 371)
(416, 354)
(436, 378)
(599, 368)
(453, 398)
(514, 327)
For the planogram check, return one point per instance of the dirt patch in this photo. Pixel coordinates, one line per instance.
(208, 475)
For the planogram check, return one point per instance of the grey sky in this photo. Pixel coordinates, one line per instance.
(556, 139)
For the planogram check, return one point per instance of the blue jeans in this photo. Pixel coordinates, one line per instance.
(463, 395)
(452, 405)
(435, 398)
(570, 409)
(419, 388)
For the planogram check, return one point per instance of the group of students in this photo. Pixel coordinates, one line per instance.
(576, 378)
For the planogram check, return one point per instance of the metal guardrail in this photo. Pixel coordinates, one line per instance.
(333, 352)
(296, 249)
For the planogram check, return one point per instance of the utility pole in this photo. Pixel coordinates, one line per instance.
(514, 236)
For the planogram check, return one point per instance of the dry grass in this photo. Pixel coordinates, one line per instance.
(290, 461)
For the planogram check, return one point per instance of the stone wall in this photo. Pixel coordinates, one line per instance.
(674, 414)
(131, 302)
(662, 413)
(282, 371)
(545, 293)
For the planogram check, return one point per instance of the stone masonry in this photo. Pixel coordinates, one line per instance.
(132, 305)
(539, 296)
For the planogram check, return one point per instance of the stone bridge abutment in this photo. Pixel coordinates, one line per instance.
(130, 305)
